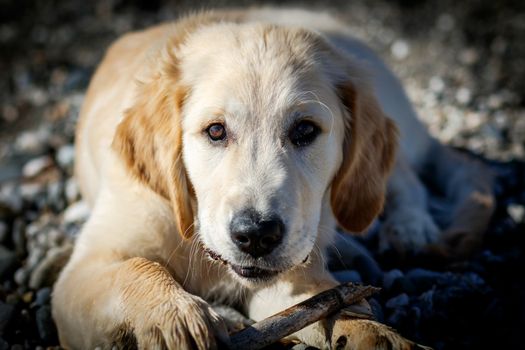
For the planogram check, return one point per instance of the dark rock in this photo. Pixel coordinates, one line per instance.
(396, 318)
(6, 316)
(377, 310)
(369, 269)
(398, 301)
(423, 279)
(3, 344)
(45, 325)
(19, 237)
(8, 262)
(347, 276)
(390, 276)
(43, 296)
(347, 253)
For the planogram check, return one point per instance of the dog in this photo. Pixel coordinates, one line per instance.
(219, 153)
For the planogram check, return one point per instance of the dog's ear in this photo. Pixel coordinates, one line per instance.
(149, 140)
(359, 187)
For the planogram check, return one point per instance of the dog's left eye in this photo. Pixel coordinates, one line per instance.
(303, 133)
(216, 132)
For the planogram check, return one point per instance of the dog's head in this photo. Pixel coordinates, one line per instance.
(256, 134)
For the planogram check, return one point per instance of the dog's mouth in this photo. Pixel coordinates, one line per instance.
(253, 273)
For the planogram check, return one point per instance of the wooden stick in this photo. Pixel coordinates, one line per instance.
(297, 317)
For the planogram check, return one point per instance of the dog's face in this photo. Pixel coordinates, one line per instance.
(271, 130)
(262, 136)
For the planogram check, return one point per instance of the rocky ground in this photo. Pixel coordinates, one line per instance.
(463, 65)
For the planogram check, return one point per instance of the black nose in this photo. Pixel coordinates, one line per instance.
(256, 236)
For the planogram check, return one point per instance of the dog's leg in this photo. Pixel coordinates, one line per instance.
(112, 293)
(467, 185)
(101, 302)
(408, 225)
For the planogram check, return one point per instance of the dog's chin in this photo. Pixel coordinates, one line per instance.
(248, 274)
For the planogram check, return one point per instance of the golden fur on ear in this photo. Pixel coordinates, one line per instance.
(149, 139)
(358, 189)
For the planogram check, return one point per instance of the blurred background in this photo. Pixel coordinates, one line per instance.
(462, 63)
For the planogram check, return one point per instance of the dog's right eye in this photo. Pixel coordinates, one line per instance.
(216, 132)
(303, 133)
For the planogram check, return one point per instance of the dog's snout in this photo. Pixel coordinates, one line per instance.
(256, 236)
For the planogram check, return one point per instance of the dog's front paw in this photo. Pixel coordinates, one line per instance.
(408, 230)
(181, 322)
(355, 334)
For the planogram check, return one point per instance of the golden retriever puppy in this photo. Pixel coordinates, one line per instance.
(218, 154)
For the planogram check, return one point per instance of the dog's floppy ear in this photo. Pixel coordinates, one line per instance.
(149, 139)
(358, 189)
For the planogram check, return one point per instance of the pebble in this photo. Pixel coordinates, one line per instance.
(19, 237)
(65, 156)
(377, 310)
(76, 212)
(436, 84)
(400, 49)
(463, 95)
(445, 22)
(8, 261)
(398, 301)
(29, 191)
(423, 279)
(46, 272)
(29, 142)
(71, 190)
(11, 197)
(349, 254)
(43, 296)
(347, 276)
(3, 231)
(45, 325)
(36, 166)
(21, 276)
(6, 314)
(390, 276)
(516, 212)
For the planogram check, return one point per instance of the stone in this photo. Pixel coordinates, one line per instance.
(21, 276)
(76, 212)
(423, 279)
(3, 231)
(65, 156)
(347, 276)
(43, 296)
(71, 190)
(46, 272)
(400, 49)
(6, 315)
(390, 276)
(19, 237)
(45, 325)
(36, 166)
(11, 197)
(398, 301)
(8, 262)
(516, 212)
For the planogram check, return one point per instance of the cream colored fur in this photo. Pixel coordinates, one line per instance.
(160, 192)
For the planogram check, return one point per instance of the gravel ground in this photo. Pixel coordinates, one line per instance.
(463, 65)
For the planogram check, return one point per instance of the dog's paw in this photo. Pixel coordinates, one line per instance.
(181, 322)
(354, 334)
(408, 230)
